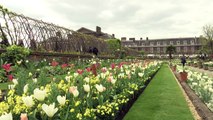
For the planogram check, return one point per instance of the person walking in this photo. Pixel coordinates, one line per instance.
(183, 60)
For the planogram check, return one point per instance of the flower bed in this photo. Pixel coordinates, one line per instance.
(75, 91)
(202, 86)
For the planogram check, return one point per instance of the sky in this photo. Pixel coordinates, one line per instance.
(124, 18)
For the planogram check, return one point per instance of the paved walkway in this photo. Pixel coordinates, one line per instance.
(209, 73)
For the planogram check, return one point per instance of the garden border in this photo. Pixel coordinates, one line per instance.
(127, 107)
(200, 107)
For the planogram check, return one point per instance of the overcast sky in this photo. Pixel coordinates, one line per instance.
(124, 18)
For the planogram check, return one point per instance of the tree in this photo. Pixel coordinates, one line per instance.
(113, 45)
(170, 50)
(208, 36)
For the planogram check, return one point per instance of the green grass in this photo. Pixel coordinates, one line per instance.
(4, 86)
(161, 100)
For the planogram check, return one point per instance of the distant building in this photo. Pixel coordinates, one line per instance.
(98, 33)
(189, 45)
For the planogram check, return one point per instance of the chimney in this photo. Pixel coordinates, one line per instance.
(113, 35)
(147, 38)
(133, 39)
(98, 30)
(123, 38)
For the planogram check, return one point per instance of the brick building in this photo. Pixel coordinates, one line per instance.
(189, 45)
(98, 33)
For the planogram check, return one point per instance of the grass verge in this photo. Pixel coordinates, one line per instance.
(161, 100)
(4, 86)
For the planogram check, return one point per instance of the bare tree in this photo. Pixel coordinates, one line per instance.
(208, 35)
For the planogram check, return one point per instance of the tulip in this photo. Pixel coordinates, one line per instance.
(39, 94)
(100, 88)
(74, 91)
(50, 110)
(28, 101)
(113, 65)
(64, 65)
(86, 79)
(6, 67)
(68, 78)
(88, 69)
(54, 63)
(140, 74)
(86, 88)
(23, 116)
(25, 88)
(10, 77)
(35, 80)
(61, 99)
(6, 117)
(15, 81)
(104, 69)
(80, 71)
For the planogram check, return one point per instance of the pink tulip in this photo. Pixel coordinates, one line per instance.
(23, 116)
(54, 63)
(73, 90)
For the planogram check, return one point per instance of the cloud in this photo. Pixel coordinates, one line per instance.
(136, 18)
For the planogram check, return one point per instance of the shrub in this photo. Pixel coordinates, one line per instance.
(14, 54)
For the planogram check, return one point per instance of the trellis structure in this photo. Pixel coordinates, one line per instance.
(39, 35)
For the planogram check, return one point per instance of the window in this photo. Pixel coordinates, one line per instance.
(158, 43)
(158, 50)
(178, 42)
(185, 48)
(178, 49)
(192, 41)
(171, 42)
(184, 42)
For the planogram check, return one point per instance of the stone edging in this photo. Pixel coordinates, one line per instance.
(200, 107)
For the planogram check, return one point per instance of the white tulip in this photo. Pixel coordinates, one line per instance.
(61, 99)
(15, 81)
(50, 110)
(25, 88)
(86, 79)
(86, 88)
(100, 88)
(39, 94)
(35, 80)
(67, 78)
(140, 74)
(28, 101)
(6, 117)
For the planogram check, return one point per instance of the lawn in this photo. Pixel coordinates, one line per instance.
(162, 100)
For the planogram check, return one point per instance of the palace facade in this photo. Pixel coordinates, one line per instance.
(188, 45)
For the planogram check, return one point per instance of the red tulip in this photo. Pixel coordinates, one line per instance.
(88, 69)
(113, 65)
(10, 77)
(80, 71)
(64, 65)
(6, 67)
